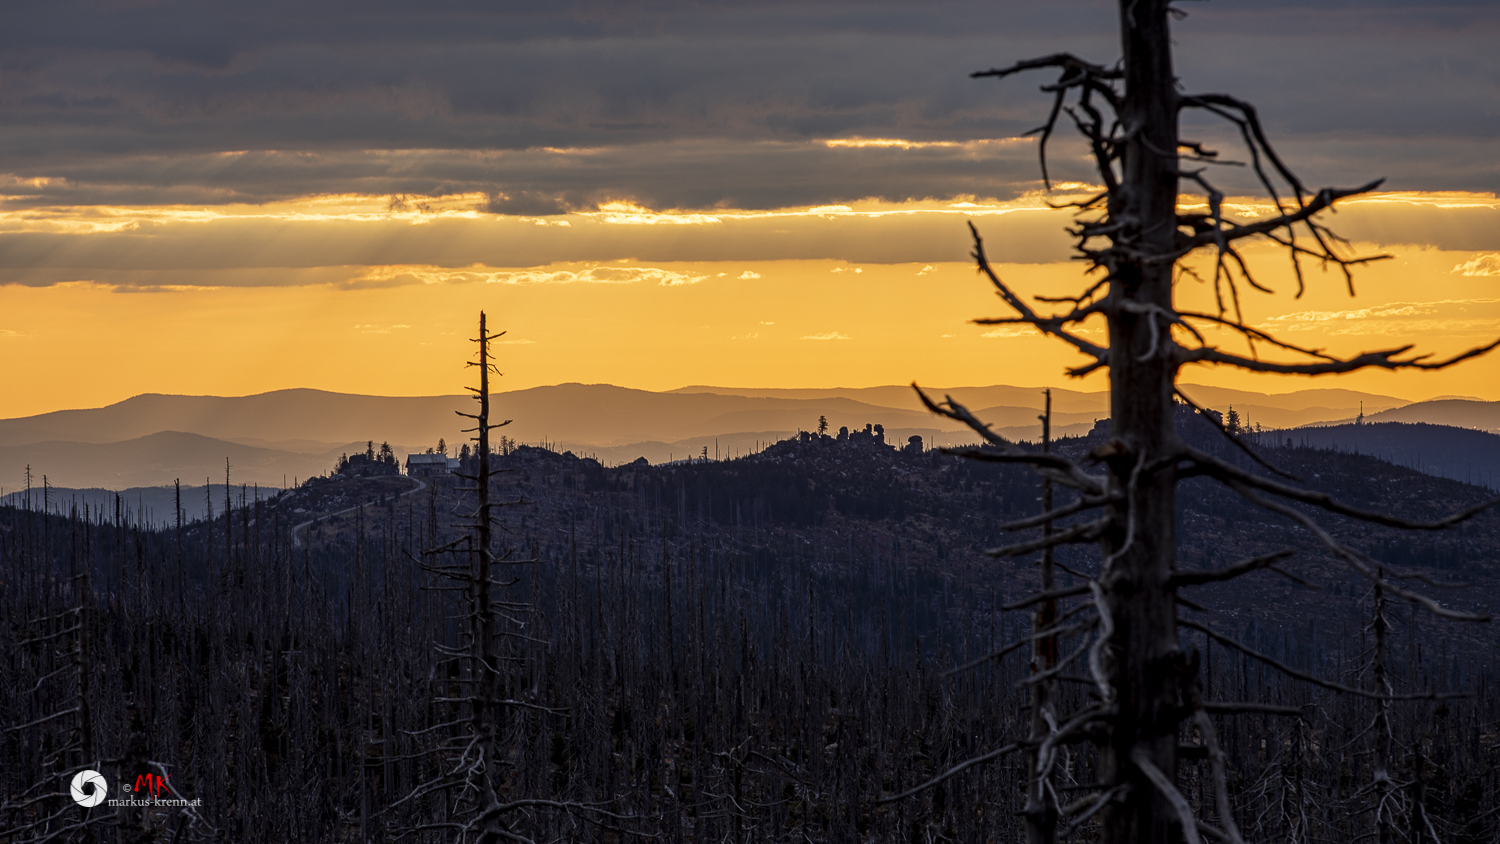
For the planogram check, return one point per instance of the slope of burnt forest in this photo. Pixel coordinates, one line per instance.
(874, 522)
(848, 507)
(877, 526)
(722, 650)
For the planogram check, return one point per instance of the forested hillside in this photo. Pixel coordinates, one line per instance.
(754, 647)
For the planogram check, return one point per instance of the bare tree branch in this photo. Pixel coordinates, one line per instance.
(1198, 578)
(1229, 472)
(1235, 441)
(1001, 450)
(1179, 803)
(1083, 503)
(953, 771)
(1241, 708)
(1386, 359)
(1086, 532)
(1047, 325)
(1302, 675)
(1076, 73)
(1355, 559)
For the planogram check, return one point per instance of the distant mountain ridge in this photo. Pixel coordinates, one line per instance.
(299, 432)
(1461, 413)
(605, 414)
(149, 505)
(1021, 404)
(580, 412)
(157, 460)
(1462, 454)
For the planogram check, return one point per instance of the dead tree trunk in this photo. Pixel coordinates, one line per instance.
(485, 706)
(1144, 686)
(1149, 670)
(1041, 799)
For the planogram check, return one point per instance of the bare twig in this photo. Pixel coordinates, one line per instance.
(1235, 441)
(1302, 675)
(1228, 472)
(1179, 803)
(1198, 578)
(1386, 359)
(1356, 560)
(953, 771)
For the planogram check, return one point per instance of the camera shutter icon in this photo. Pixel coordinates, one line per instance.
(89, 788)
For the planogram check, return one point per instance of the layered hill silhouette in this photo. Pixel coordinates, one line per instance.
(1005, 406)
(152, 506)
(152, 439)
(1463, 454)
(157, 460)
(1462, 413)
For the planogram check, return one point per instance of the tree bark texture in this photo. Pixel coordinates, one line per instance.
(1149, 672)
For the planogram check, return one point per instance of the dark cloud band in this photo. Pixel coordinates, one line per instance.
(675, 174)
(688, 105)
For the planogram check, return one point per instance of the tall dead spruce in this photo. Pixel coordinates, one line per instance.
(485, 665)
(1145, 697)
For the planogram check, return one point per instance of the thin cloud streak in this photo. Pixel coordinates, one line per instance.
(355, 242)
(1444, 317)
(1482, 265)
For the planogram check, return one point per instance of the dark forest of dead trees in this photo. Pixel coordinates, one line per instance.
(812, 644)
(705, 653)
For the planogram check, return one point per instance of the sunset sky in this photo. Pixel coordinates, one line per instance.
(226, 199)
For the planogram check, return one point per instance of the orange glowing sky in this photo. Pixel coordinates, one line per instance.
(240, 300)
(231, 199)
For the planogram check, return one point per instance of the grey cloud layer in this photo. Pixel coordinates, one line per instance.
(674, 174)
(266, 252)
(129, 101)
(173, 253)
